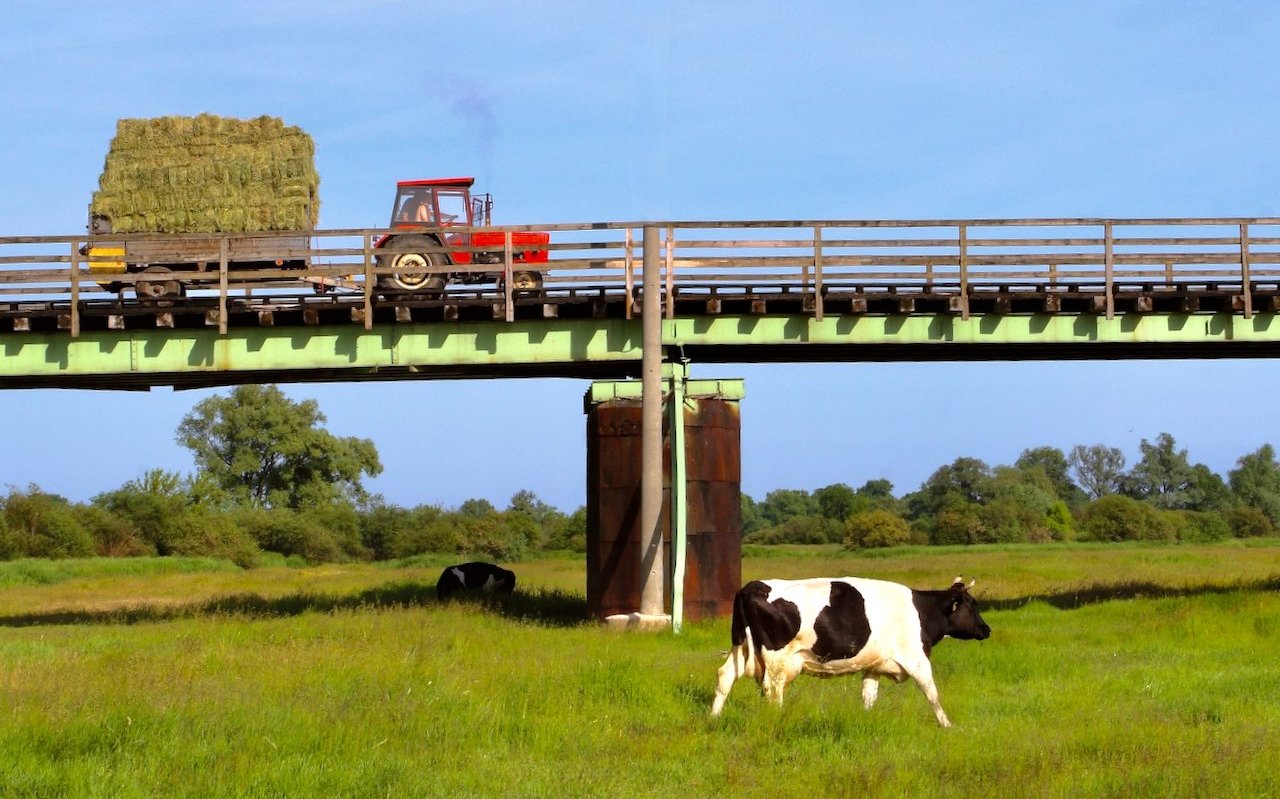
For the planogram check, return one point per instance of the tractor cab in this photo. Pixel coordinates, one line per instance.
(441, 202)
(423, 255)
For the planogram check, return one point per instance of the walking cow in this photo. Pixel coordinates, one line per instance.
(474, 576)
(829, 627)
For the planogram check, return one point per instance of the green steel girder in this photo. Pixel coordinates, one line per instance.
(602, 348)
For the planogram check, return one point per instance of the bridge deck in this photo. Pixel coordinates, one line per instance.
(731, 291)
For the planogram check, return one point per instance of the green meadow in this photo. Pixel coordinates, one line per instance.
(1116, 670)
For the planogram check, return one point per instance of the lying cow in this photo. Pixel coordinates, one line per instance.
(829, 627)
(474, 576)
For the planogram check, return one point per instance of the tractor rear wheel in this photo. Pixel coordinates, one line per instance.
(419, 270)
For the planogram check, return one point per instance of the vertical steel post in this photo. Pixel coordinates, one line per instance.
(651, 561)
(679, 491)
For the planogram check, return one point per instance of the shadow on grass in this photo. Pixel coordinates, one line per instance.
(551, 608)
(1073, 598)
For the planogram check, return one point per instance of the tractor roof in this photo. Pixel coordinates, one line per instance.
(459, 182)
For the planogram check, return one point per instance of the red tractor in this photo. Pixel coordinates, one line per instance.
(427, 252)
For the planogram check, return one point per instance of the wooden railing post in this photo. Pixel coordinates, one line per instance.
(507, 258)
(817, 272)
(370, 281)
(964, 271)
(669, 263)
(1109, 267)
(75, 290)
(1244, 271)
(628, 277)
(222, 285)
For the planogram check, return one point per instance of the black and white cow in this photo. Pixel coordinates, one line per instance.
(829, 627)
(474, 576)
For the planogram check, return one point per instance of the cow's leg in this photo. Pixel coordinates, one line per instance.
(737, 664)
(870, 690)
(922, 672)
(780, 671)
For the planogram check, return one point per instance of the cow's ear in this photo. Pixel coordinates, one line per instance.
(953, 606)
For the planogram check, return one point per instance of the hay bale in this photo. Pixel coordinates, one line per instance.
(208, 174)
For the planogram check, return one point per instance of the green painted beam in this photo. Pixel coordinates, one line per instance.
(865, 330)
(203, 357)
(601, 348)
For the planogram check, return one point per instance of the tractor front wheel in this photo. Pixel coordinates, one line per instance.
(524, 281)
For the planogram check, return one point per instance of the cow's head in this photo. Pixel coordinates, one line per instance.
(963, 619)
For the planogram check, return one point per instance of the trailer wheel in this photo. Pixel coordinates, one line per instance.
(157, 283)
(420, 266)
(523, 282)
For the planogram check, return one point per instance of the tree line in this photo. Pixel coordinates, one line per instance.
(1086, 494)
(270, 481)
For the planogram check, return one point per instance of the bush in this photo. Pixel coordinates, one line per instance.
(876, 528)
(290, 533)
(214, 535)
(1246, 521)
(800, 530)
(1199, 526)
(40, 525)
(1116, 517)
(421, 530)
(113, 536)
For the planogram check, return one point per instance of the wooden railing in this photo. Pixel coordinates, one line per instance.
(956, 260)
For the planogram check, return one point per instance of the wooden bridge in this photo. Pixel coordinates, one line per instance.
(728, 292)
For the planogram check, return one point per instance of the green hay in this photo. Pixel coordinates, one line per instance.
(208, 174)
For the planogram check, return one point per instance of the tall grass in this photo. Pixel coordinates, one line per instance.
(360, 684)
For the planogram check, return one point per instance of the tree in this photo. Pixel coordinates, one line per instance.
(477, 508)
(836, 501)
(1256, 482)
(266, 450)
(1163, 476)
(1053, 464)
(1098, 469)
(782, 504)
(965, 481)
(751, 518)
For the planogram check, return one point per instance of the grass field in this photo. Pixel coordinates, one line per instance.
(1111, 671)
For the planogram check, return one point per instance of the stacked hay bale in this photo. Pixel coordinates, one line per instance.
(208, 174)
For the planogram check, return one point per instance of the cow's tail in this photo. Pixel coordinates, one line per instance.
(745, 654)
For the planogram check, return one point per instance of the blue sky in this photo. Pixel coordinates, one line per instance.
(590, 111)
